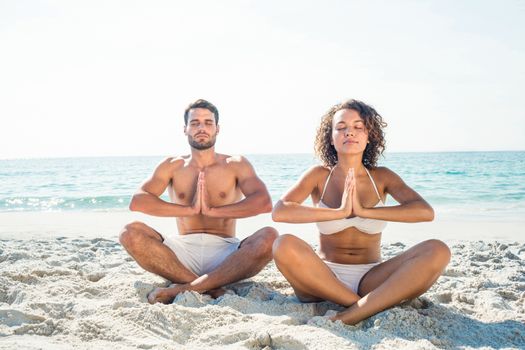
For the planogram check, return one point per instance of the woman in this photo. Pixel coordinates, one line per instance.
(349, 193)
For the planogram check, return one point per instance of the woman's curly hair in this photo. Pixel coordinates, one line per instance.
(374, 124)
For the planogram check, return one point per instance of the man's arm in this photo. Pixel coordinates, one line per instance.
(147, 198)
(257, 199)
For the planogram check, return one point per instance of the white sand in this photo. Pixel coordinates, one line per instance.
(83, 293)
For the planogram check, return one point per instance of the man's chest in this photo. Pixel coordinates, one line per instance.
(220, 186)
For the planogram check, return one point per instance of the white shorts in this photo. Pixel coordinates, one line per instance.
(202, 252)
(350, 274)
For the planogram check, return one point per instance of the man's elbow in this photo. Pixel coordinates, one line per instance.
(266, 206)
(134, 204)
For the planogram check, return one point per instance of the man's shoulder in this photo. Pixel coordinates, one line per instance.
(174, 162)
(234, 159)
(237, 163)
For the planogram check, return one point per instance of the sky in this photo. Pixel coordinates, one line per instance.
(108, 78)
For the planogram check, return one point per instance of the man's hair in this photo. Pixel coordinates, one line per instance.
(200, 103)
(374, 125)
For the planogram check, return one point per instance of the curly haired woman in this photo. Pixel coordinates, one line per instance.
(349, 192)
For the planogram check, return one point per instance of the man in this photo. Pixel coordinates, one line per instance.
(206, 190)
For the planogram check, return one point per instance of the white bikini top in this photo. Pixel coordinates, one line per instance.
(370, 226)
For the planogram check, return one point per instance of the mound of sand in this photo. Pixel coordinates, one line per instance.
(87, 293)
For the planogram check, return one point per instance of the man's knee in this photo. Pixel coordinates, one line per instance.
(270, 234)
(131, 234)
(286, 246)
(265, 238)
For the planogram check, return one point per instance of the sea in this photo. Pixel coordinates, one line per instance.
(476, 185)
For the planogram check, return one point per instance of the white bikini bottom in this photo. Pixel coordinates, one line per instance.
(350, 274)
(201, 252)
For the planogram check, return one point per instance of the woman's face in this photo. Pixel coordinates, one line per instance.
(349, 134)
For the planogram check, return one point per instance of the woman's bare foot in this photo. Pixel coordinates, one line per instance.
(215, 293)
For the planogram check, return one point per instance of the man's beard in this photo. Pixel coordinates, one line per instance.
(201, 145)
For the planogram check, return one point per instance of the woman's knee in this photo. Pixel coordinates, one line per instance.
(439, 252)
(287, 246)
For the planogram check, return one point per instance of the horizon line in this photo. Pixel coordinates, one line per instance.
(247, 154)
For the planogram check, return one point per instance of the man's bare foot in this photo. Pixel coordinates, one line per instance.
(165, 295)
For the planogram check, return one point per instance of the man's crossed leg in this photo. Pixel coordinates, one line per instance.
(146, 246)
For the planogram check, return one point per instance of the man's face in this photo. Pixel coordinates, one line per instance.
(201, 129)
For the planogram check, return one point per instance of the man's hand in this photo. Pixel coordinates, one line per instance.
(206, 210)
(200, 199)
(196, 206)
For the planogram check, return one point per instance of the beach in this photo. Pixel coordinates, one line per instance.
(66, 283)
(223, 107)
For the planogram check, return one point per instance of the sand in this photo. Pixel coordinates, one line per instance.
(86, 293)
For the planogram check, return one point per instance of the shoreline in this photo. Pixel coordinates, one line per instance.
(42, 225)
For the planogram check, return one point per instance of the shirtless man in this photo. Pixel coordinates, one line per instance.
(206, 190)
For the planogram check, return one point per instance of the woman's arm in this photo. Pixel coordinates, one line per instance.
(412, 207)
(290, 208)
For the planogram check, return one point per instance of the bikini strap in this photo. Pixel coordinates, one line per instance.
(326, 184)
(373, 184)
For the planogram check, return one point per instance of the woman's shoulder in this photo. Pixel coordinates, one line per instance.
(314, 178)
(314, 175)
(316, 171)
(381, 170)
(383, 174)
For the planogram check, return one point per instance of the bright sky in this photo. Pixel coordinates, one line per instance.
(96, 78)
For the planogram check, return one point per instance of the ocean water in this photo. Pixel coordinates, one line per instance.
(470, 184)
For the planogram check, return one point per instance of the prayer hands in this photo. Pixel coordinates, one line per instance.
(196, 205)
(350, 204)
(348, 194)
(200, 200)
(205, 207)
(357, 208)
